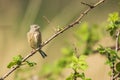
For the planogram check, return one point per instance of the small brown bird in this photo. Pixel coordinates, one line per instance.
(34, 38)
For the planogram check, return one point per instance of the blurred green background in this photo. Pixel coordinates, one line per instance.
(17, 15)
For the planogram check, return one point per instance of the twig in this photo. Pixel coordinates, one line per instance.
(48, 21)
(91, 6)
(14, 68)
(116, 76)
(112, 47)
(74, 75)
(77, 21)
(117, 40)
(116, 48)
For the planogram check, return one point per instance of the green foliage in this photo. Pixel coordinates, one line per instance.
(114, 23)
(31, 64)
(88, 36)
(103, 50)
(71, 77)
(79, 63)
(57, 67)
(69, 60)
(111, 54)
(16, 61)
(118, 66)
(85, 35)
(77, 75)
(113, 17)
(82, 76)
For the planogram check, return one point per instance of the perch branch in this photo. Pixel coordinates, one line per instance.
(77, 21)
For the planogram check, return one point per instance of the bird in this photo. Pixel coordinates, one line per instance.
(35, 39)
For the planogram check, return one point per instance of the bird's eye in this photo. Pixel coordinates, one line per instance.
(35, 26)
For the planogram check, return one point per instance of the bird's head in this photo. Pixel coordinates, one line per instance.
(35, 27)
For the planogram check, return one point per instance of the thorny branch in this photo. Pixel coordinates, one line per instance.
(114, 77)
(75, 72)
(46, 19)
(77, 21)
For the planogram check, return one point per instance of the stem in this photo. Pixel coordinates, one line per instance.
(116, 49)
(117, 41)
(74, 76)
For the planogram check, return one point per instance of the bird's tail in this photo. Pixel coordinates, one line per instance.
(42, 53)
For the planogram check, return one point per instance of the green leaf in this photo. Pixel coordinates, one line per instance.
(82, 76)
(101, 49)
(16, 58)
(112, 52)
(79, 63)
(108, 62)
(118, 66)
(16, 61)
(31, 64)
(70, 77)
(82, 63)
(11, 64)
(75, 59)
(82, 58)
(114, 23)
(113, 17)
(117, 22)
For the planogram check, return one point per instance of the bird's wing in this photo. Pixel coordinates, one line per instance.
(31, 40)
(38, 40)
(29, 36)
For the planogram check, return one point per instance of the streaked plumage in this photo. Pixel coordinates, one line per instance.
(34, 38)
